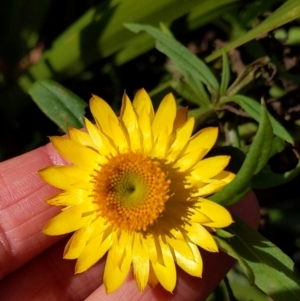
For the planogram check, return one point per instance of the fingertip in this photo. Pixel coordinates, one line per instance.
(247, 209)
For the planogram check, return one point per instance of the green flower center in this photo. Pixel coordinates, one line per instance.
(130, 189)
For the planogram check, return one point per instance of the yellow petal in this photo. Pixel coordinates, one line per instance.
(146, 130)
(58, 176)
(181, 246)
(149, 246)
(204, 139)
(129, 118)
(73, 172)
(70, 198)
(188, 160)
(210, 188)
(199, 217)
(208, 168)
(77, 242)
(114, 276)
(93, 252)
(166, 272)
(118, 136)
(165, 116)
(215, 184)
(224, 176)
(69, 220)
(182, 136)
(81, 137)
(160, 145)
(219, 216)
(76, 153)
(142, 101)
(122, 242)
(102, 144)
(103, 114)
(140, 262)
(201, 237)
(193, 266)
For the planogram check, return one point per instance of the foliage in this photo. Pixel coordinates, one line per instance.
(251, 93)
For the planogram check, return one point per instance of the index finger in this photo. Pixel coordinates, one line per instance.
(23, 211)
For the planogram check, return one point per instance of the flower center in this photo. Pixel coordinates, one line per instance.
(131, 191)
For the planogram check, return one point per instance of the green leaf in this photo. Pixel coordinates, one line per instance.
(186, 91)
(287, 12)
(223, 234)
(273, 269)
(60, 104)
(182, 57)
(228, 249)
(225, 74)
(256, 158)
(252, 107)
(267, 178)
(197, 87)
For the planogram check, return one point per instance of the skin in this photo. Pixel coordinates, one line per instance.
(31, 263)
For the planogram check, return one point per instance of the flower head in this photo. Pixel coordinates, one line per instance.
(136, 190)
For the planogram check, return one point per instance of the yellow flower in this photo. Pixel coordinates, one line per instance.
(136, 189)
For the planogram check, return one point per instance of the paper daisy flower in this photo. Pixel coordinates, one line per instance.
(136, 190)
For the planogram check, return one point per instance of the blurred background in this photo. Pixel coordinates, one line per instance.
(84, 46)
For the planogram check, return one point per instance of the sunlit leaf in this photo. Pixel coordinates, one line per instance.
(273, 269)
(227, 248)
(252, 107)
(60, 104)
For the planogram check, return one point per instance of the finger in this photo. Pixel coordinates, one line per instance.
(50, 277)
(23, 209)
(248, 210)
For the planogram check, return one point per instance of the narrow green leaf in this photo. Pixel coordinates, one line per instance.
(262, 154)
(223, 234)
(225, 74)
(252, 107)
(186, 91)
(273, 269)
(267, 178)
(182, 57)
(228, 249)
(288, 11)
(256, 158)
(60, 104)
(198, 88)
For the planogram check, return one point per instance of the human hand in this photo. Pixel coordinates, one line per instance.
(31, 263)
